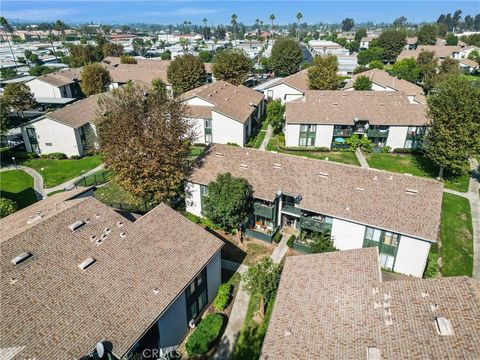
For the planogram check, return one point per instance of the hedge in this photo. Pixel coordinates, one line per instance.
(290, 241)
(223, 297)
(54, 156)
(303, 148)
(205, 335)
(406, 151)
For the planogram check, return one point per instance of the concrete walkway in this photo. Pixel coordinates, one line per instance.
(70, 184)
(37, 179)
(280, 250)
(267, 138)
(361, 159)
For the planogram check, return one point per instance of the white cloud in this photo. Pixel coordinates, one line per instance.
(39, 14)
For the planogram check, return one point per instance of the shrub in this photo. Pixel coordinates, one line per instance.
(7, 207)
(200, 220)
(125, 59)
(432, 265)
(205, 335)
(19, 155)
(223, 297)
(290, 241)
(277, 237)
(303, 148)
(74, 157)
(232, 144)
(406, 151)
(386, 149)
(54, 156)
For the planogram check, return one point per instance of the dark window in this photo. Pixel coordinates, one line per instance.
(196, 294)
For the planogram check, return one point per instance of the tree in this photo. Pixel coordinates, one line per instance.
(353, 46)
(81, 55)
(185, 73)
(232, 66)
(322, 242)
(475, 56)
(361, 33)
(347, 24)
(7, 207)
(322, 75)
(371, 54)
(38, 70)
(400, 22)
(262, 280)
(229, 201)
(272, 19)
(449, 66)
(427, 35)
(145, 139)
(18, 97)
(375, 64)
(7, 28)
(286, 56)
(275, 111)
(451, 39)
(111, 49)
(5, 120)
(6, 73)
(126, 59)
(158, 85)
(427, 64)
(233, 21)
(406, 69)
(454, 135)
(205, 55)
(299, 17)
(392, 42)
(95, 79)
(362, 83)
(205, 27)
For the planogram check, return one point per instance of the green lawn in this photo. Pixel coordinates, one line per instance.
(17, 185)
(58, 171)
(457, 236)
(97, 178)
(113, 195)
(196, 151)
(416, 165)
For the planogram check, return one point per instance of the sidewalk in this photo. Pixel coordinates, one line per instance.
(37, 179)
(361, 159)
(267, 138)
(69, 184)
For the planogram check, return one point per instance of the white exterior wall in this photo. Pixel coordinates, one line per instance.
(323, 137)
(197, 101)
(63, 138)
(198, 126)
(193, 200)
(283, 92)
(397, 136)
(347, 235)
(226, 130)
(42, 89)
(412, 256)
(292, 133)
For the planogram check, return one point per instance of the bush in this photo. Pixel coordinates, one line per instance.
(125, 59)
(386, 149)
(432, 265)
(406, 151)
(200, 220)
(74, 157)
(7, 207)
(223, 297)
(290, 241)
(277, 237)
(303, 148)
(19, 155)
(205, 335)
(232, 144)
(54, 156)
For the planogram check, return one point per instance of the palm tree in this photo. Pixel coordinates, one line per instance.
(299, 17)
(184, 44)
(257, 21)
(205, 28)
(185, 27)
(6, 26)
(234, 25)
(272, 19)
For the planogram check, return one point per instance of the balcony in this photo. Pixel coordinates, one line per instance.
(266, 211)
(314, 224)
(360, 130)
(259, 234)
(342, 132)
(414, 135)
(377, 133)
(382, 247)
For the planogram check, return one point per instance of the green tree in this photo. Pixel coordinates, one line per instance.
(229, 201)
(185, 73)
(347, 24)
(360, 33)
(158, 85)
(145, 140)
(233, 21)
(322, 242)
(8, 29)
(299, 17)
(6, 73)
(18, 97)
(454, 135)
(475, 56)
(111, 49)
(427, 63)
(126, 59)
(262, 280)
(375, 64)
(400, 22)
(232, 66)
(272, 19)
(449, 66)
(205, 55)
(7, 207)
(427, 35)
(95, 79)
(451, 39)
(392, 42)
(406, 69)
(363, 83)
(81, 55)
(322, 75)
(286, 56)
(275, 111)
(5, 120)
(166, 55)
(353, 46)
(38, 70)
(371, 54)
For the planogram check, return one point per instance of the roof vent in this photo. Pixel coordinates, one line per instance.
(156, 291)
(411, 191)
(107, 231)
(209, 95)
(444, 326)
(219, 154)
(375, 178)
(434, 307)
(323, 175)
(377, 305)
(424, 294)
(359, 189)
(226, 99)
(373, 353)
(85, 264)
(277, 166)
(119, 224)
(97, 216)
(122, 234)
(93, 237)
(103, 236)
(335, 104)
(99, 241)
(34, 219)
(382, 104)
(243, 166)
(76, 225)
(347, 208)
(390, 177)
(375, 290)
(21, 258)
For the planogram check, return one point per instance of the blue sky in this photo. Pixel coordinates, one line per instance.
(173, 12)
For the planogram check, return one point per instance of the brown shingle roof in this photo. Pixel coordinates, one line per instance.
(439, 50)
(298, 81)
(233, 101)
(61, 77)
(335, 312)
(342, 107)
(53, 309)
(469, 62)
(77, 114)
(383, 78)
(383, 203)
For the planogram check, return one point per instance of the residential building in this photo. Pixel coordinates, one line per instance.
(325, 47)
(342, 309)
(288, 88)
(327, 118)
(68, 130)
(346, 64)
(441, 51)
(411, 43)
(60, 84)
(358, 207)
(224, 113)
(365, 41)
(75, 272)
(468, 66)
(383, 81)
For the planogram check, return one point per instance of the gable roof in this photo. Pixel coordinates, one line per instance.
(439, 50)
(384, 202)
(51, 307)
(342, 107)
(468, 62)
(298, 81)
(77, 114)
(227, 99)
(341, 308)
(62, 77)
(383, 78)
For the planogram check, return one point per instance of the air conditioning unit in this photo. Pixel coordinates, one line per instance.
(191, 324)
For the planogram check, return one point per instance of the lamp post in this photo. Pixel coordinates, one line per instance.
(14, 162)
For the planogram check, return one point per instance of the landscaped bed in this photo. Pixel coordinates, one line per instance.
(416, 165)
(456, 236)
(17, 185)
(113, 195)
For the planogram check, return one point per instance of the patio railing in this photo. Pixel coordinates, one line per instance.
(260, 235)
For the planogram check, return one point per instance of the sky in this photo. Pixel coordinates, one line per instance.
(217, 12)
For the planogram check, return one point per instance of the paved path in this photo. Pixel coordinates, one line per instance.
(361, 159)
(69, 184)
(280, 250)
(267, 138)
(37, 179)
